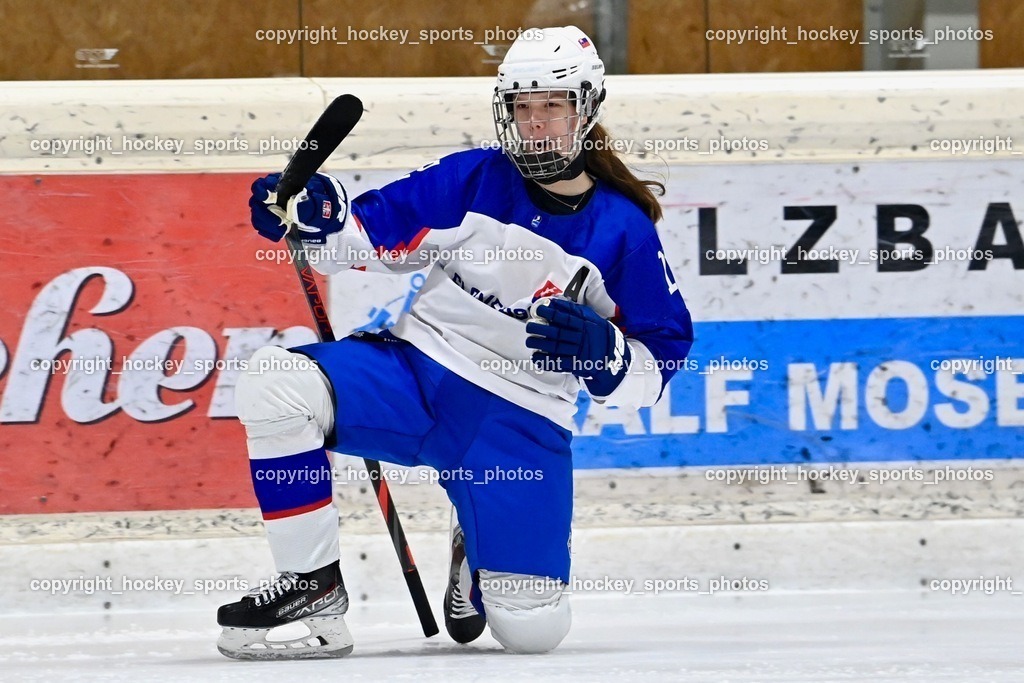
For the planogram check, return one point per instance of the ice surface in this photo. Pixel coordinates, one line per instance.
(774, 636)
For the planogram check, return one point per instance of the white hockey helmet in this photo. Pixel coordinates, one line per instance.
(541, 62)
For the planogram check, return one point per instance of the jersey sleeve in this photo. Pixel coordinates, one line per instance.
(401, 226)
(652, 315)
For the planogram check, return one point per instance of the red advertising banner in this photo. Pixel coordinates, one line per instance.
(128, 305)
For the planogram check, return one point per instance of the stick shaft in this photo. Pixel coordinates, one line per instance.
(324, 137)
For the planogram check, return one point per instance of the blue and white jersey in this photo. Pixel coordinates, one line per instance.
(492, 253)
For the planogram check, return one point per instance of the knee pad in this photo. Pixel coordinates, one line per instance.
(526, 614)
(282, 391)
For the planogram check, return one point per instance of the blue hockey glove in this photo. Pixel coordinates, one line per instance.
(571, 337)
(317, 211)
(269, 219)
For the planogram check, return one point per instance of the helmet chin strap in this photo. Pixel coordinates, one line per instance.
(573, 170)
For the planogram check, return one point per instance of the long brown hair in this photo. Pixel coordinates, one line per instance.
(605, 164)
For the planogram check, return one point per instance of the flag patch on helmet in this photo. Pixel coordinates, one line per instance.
(325, 209)
(584, 42)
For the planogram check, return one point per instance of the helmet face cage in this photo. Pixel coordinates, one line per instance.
(543, 130)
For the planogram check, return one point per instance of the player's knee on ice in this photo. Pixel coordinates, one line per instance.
(283, 395)
(526, 614)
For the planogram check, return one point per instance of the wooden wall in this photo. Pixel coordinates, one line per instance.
(217, 38)
(1005, 18)
(180, 39)
(776, 53)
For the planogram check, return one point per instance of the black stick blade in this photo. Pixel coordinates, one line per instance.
(333, 126)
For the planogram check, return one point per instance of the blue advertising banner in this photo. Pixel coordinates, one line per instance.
(826, 391)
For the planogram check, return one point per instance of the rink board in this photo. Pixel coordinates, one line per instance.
(165, 266)
(893, 405)
(147, 267)
(883, 338)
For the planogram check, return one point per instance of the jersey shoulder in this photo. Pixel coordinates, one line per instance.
(612, 229)
(621, 217)
(472, 162)
(440, 185)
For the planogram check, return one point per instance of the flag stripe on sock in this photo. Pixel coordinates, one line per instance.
(297, 511)
(290, 483)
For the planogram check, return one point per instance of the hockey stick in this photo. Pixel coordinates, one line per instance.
(330, 129)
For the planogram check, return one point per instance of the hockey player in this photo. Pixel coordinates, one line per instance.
(545, 271)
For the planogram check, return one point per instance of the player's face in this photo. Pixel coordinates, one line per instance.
(546, 120)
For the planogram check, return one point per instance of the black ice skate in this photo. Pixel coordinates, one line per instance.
(316, 599)
(463, 623)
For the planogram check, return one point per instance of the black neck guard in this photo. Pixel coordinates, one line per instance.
(573, 170)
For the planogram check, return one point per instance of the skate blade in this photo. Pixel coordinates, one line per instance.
(328, 637)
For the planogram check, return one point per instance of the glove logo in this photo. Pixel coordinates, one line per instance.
(325, 209)
(618, 362)
(549, 288)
